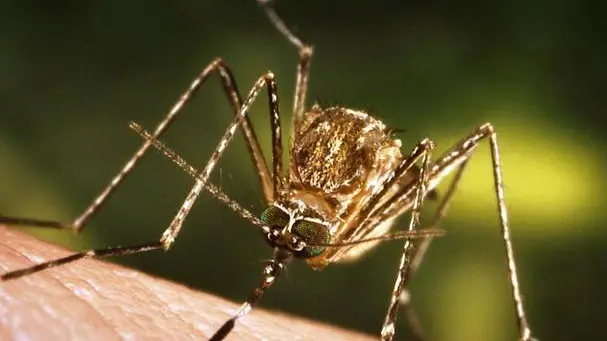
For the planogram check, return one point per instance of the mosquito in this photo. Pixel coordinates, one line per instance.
(346, 184)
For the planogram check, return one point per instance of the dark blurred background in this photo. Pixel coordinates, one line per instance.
(72, 73)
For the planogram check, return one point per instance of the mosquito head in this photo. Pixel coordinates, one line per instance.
(294, 232)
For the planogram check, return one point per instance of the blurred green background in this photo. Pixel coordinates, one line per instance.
(72, 73)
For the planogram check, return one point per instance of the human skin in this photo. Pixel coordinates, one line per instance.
(97, 300)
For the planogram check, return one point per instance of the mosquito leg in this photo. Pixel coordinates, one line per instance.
(487, 131)
(277, 168)
(305, 52)
(441, 168)
(388, 330)
(106, 252)
(270, 272)
(34, 222)
(403, 169)
(441, 211)
(420, 251)
(229, 85)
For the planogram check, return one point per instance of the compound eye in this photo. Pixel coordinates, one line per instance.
(276, 218)
(311, 234)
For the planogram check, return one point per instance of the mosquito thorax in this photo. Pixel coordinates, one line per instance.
(337, 157)
(303, 236)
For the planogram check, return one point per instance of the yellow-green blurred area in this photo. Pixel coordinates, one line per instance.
(72, 74)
